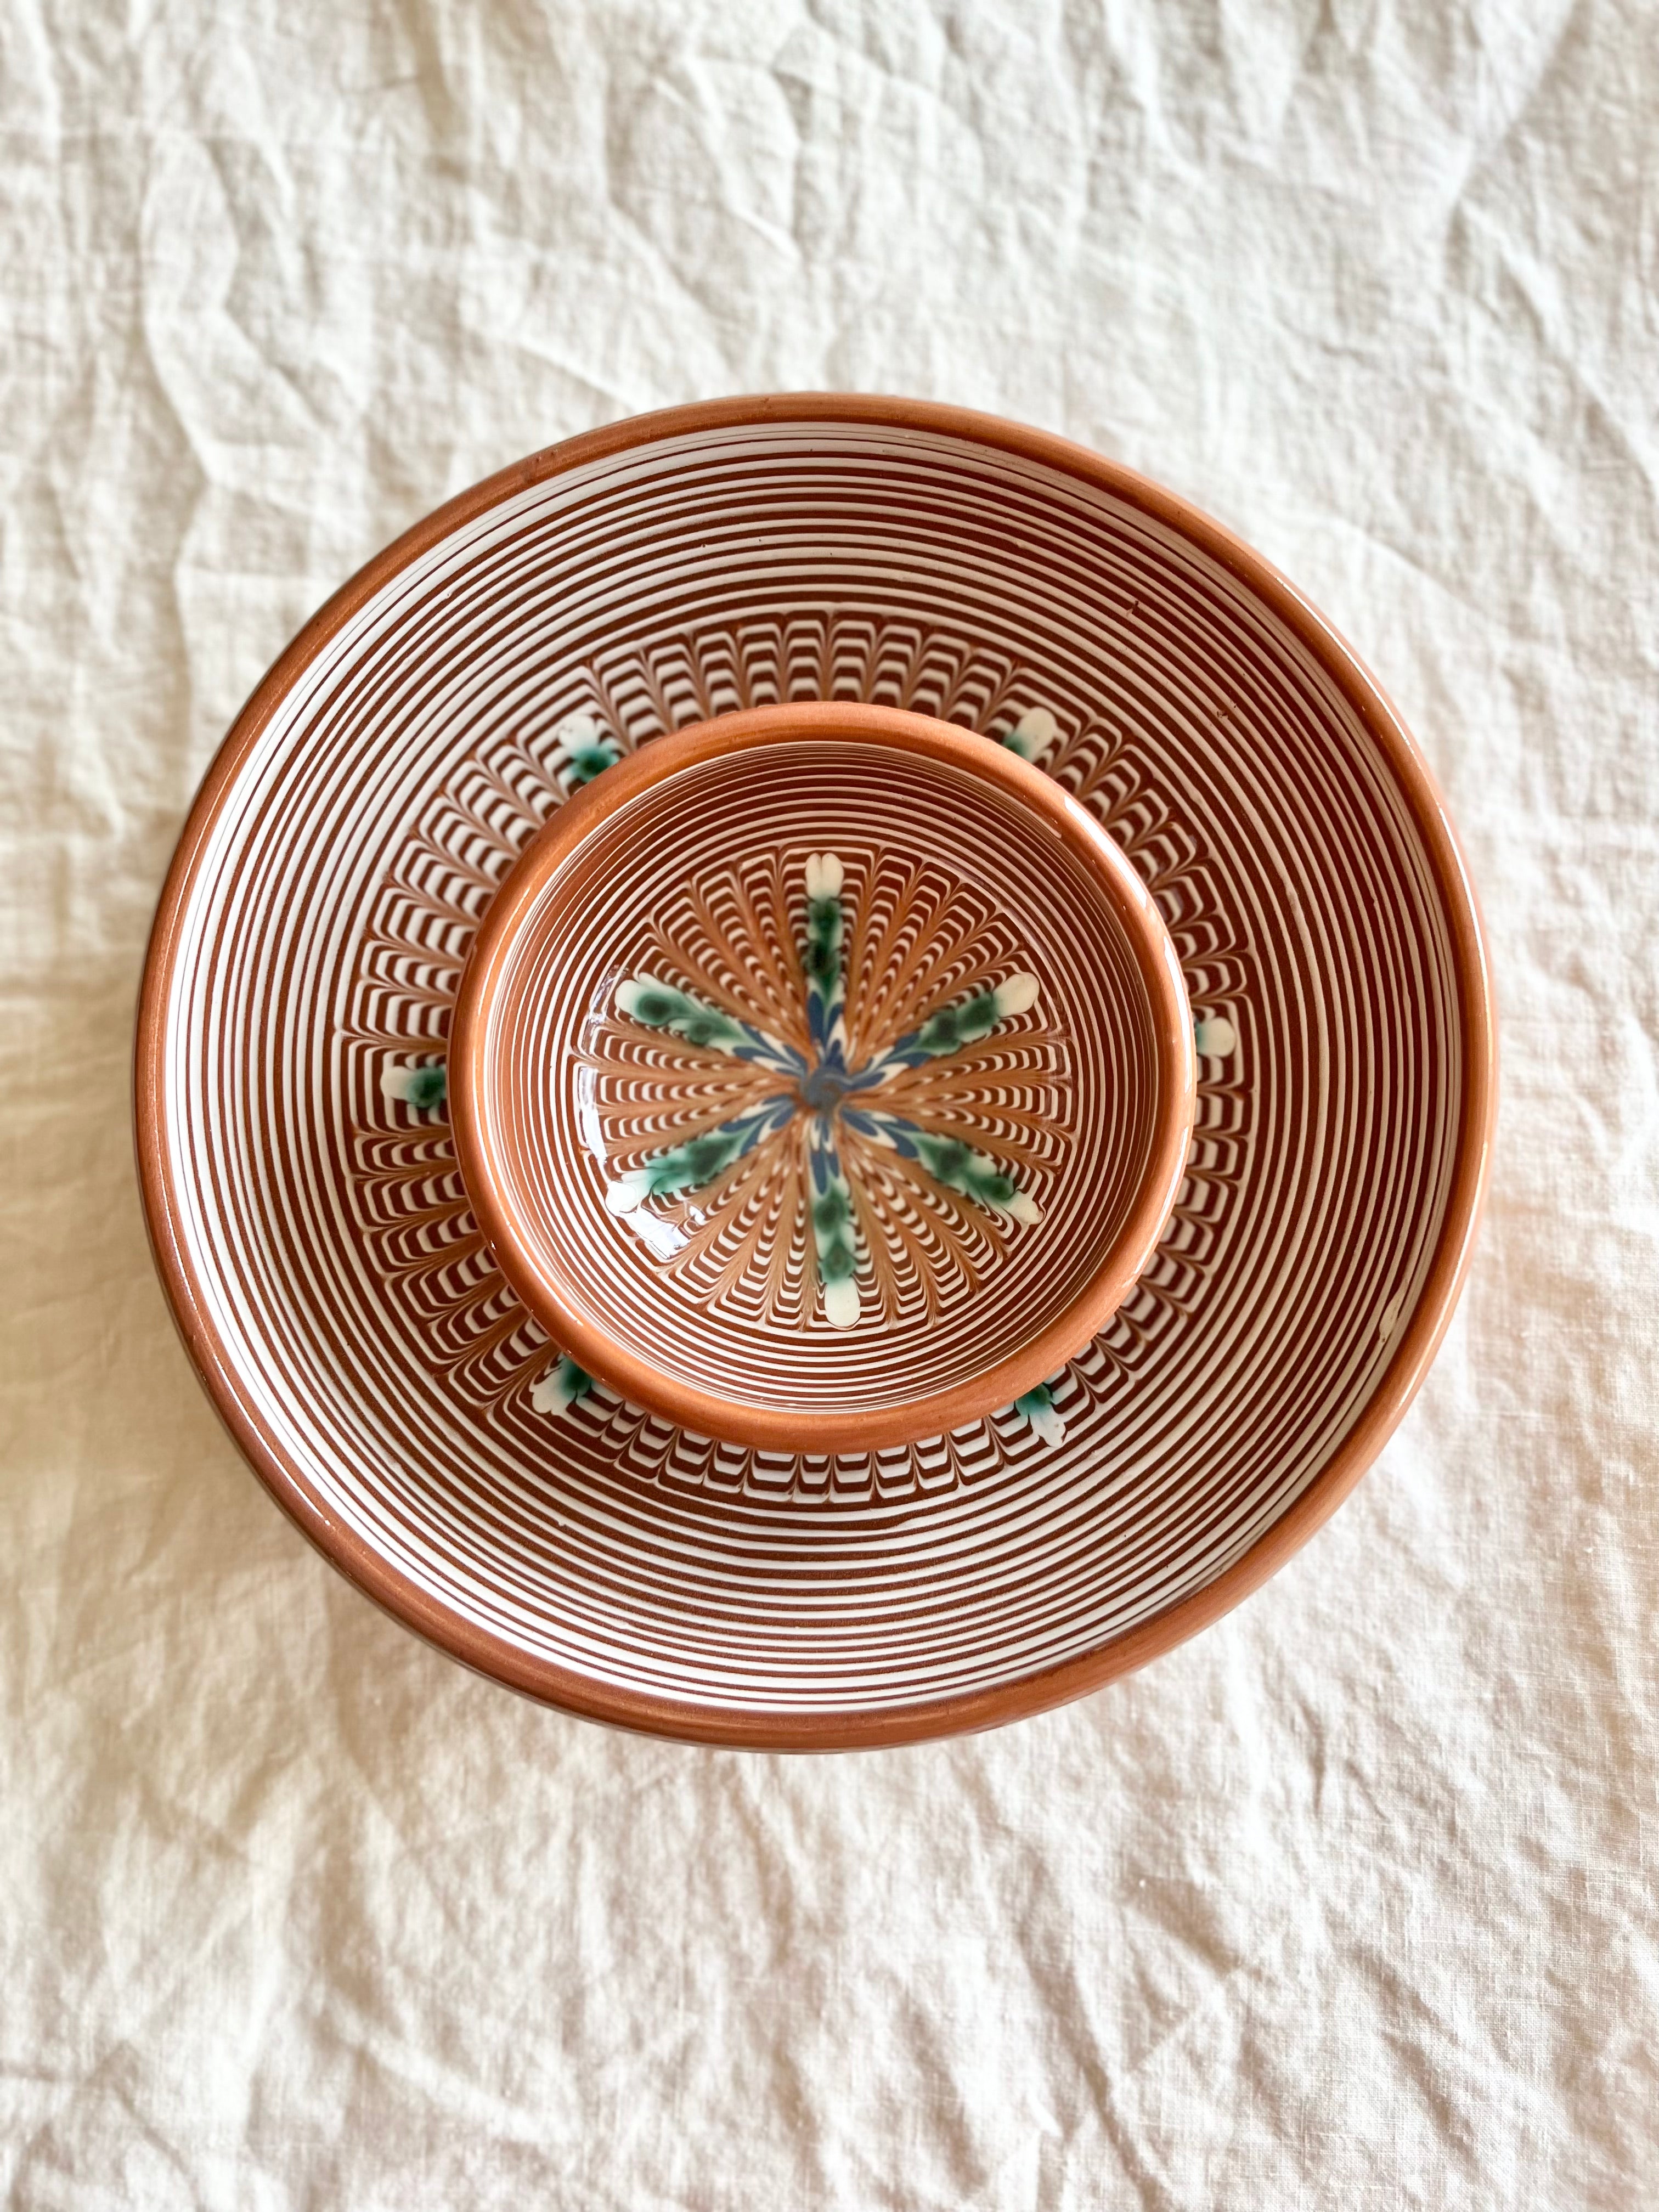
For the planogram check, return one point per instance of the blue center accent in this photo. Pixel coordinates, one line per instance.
(823, 1087)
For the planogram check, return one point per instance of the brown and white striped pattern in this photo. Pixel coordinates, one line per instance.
(316, 1241)
(959, 1288)
(918, 933)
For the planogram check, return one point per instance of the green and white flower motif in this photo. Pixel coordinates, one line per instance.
(1038, 1408)
(835, 1231)
(659, 1006)
(949, 1161)
(967, 1022)
(1032, 735)
(559, 1389)
(424, 1086)
(953, 1027)
(688, 1166)
(587, 751)
(821, 955)
(826, 1092)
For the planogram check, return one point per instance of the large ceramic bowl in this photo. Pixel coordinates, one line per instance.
(822, 1078)
(313, 1229)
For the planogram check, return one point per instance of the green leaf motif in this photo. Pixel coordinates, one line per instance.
(823, 936)
(660, 1007)
(587, 751)
(560, 1387)
(967, 1021)
(696, 1162)
(976, 1175)
(585, 762)
(1038, 1408)
(834, 1239)
(821, 955)
(953, 1027)
(422, 1088)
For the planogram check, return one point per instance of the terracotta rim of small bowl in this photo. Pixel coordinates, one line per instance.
(712, 1413)
(481, 1648)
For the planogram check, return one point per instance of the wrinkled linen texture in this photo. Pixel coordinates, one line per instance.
(1350, 1901)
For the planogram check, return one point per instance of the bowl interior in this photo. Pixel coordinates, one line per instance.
(322, 1251)
(823, 1082)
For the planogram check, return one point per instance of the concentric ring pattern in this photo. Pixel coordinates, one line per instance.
(313, 1231)
(1059, 1101)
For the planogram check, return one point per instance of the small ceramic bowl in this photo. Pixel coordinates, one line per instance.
(822, 1078)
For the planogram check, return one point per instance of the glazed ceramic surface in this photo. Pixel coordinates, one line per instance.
(300, 1174)
(822, 1078)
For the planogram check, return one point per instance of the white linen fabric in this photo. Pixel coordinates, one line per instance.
(1351, 1901)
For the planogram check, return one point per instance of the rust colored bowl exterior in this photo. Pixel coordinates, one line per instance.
(857, 1257)
(299, 1173)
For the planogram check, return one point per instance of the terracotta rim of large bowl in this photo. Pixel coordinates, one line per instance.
(480, 1127)
(478, 1647)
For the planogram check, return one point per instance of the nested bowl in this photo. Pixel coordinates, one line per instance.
(822, 1078)
(316, 1235)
